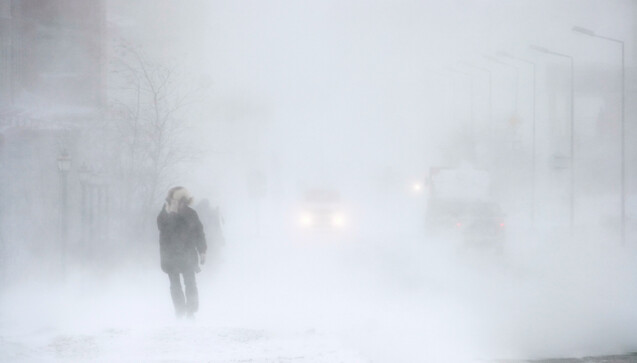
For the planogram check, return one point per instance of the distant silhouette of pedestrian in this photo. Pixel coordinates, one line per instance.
(212, 220)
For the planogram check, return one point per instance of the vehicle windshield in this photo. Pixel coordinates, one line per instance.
(464, 209)
(321, 196)
(483, 210)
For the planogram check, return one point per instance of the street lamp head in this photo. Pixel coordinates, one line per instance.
(546, 51)
(84, 173)
(539, 49)
(64, 162)
(584, 31)
(497, 60)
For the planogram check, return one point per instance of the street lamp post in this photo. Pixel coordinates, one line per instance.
(622, 140)
(85, 174)
(533, 147)
(488, 71)
(471, 110)
(64, 166)
(517, 77)
(572, 156)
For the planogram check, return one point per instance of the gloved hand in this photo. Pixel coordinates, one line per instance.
(202, 258)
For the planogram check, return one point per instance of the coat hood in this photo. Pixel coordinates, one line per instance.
(177, 197)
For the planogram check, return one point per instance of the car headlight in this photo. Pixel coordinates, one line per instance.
(338, 220)
(306, 219)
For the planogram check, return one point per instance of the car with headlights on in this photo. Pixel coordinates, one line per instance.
(322, 210)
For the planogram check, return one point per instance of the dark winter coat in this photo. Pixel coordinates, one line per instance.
(181, 238)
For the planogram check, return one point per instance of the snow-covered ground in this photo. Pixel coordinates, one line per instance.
(177, 343)
(385, 299)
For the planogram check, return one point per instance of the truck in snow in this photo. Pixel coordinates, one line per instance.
(459, 202)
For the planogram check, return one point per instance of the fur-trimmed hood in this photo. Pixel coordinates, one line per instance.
(177, 197)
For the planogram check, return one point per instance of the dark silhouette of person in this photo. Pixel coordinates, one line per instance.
(212, 221)
(182, 247)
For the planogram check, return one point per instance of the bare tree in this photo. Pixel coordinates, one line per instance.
(147, 116)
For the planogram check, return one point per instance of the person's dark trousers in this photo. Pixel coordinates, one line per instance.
(190, 303)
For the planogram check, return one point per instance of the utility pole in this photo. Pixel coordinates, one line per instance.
(572, 156)
(591, 33)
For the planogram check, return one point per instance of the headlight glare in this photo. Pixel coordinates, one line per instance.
(306, 219)
(338, 220)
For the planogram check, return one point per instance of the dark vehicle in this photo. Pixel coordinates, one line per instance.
(460, 203)
(479, 223)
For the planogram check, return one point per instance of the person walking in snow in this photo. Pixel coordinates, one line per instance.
(182, 247)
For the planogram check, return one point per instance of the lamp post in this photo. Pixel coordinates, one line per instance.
(591, 33)
(517, 77)
(488, 71)
(533, 147)
(471, 110)
(64, 166)
(572, 127)
(85, 174)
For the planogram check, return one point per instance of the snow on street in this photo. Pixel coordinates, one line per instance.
(176, 343)
(356, 302)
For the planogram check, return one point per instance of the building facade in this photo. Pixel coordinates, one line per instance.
(52, 85)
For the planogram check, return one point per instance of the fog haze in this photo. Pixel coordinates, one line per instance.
(398, 181)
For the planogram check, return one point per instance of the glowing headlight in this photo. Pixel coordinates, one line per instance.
(338, 220)
(306, 219)
(417, 187)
